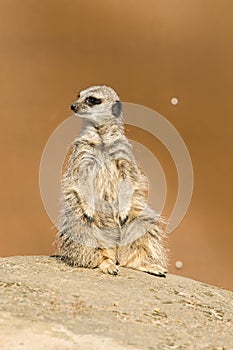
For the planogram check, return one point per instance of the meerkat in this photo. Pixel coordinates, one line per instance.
(105, 220)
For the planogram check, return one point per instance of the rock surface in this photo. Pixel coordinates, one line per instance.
(45, 304)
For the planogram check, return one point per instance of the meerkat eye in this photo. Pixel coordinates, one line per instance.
(78, 95)
(91, 101)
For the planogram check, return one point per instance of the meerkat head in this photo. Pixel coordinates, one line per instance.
(98, 104)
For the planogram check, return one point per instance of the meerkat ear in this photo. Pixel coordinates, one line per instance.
(117, 109)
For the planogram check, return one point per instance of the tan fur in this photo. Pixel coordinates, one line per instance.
(105, 220)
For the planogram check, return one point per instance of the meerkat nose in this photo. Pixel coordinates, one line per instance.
(73, 107)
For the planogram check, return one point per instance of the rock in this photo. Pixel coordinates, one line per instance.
(45, 304)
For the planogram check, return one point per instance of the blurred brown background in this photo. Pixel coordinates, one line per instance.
(149, 51)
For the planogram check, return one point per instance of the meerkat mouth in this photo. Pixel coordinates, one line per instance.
(81, 114)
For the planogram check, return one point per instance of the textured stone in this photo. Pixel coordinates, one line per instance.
(45, 304)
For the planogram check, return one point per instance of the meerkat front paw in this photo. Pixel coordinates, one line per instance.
(107, 266)
(123, 216)
(88, 218)
(123, 220)
(89, 215)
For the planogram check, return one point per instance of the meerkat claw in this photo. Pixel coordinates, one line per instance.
(158, 274)
(155, 270)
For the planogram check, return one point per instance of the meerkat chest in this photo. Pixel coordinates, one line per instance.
(103, 168)
(106, 175)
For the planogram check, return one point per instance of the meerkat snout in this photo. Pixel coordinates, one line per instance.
(73, 107)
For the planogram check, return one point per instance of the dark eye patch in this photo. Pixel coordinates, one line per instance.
(91, 101)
